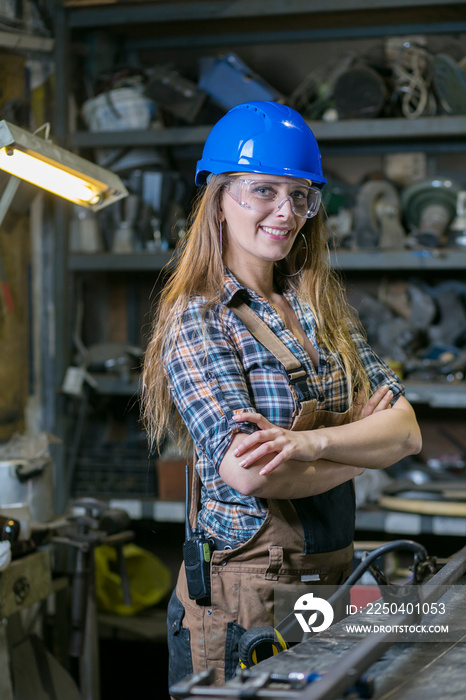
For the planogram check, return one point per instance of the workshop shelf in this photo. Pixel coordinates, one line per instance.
(419, 259)
(368, 518)
(394, 522)
(439, 394)
(125, 262)
(340, 136)
(422, 259)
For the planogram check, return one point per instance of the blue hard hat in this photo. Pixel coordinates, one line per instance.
(262, 137)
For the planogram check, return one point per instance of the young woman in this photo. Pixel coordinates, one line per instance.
(256, 359)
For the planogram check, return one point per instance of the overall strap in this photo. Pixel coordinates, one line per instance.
(266, 336)
(296, 375)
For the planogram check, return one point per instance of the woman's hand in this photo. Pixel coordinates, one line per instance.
(379, 401)
(271, 439)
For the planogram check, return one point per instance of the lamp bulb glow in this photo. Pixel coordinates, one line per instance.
(47, 176)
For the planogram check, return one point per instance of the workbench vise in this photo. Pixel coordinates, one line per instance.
(97, 525)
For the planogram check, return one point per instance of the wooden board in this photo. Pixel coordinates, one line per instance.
(414, 505)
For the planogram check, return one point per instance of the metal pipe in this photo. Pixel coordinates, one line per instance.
(8, 196)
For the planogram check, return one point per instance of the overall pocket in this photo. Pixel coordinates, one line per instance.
(234, 634)
(179, 642)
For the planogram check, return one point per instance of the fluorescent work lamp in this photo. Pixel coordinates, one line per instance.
(42, 163)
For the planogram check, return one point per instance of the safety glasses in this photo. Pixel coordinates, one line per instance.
(266, 196)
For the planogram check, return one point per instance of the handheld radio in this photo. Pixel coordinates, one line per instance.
(196, 556)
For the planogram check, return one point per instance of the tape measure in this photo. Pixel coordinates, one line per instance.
(258, 644)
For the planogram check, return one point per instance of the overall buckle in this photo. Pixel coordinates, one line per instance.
(298, 381)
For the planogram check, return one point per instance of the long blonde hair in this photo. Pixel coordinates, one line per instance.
(199, 270)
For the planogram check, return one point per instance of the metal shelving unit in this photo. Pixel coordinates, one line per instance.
(367, 519)
(314, 20)
(361, 260)
(86, 16)
(396, 523)
(433, 394)
(397, 260)
(134, 262)
(437, 394)
(220, 23)
(355, 134)
(158, 26)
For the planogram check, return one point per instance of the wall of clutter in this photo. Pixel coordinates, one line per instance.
(377, 200)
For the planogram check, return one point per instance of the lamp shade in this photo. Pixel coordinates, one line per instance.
(42, 163)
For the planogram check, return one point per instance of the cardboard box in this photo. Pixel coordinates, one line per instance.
(171, 479)
(230, 82)
(24, 582)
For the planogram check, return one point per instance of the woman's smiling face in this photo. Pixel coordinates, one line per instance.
(252, 235)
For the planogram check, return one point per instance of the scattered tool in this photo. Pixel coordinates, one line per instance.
(98, 525)
(377, 216)
(359, 92)
(411, 65)
(258, 644)
(429, 207)
(255, 684)
(449, 81)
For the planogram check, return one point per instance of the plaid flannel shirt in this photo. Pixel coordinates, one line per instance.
(218, 368)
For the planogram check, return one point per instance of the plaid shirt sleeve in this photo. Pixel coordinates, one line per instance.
(377, 370)
(207, 383)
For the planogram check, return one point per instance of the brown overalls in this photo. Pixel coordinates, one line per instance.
(298, 538)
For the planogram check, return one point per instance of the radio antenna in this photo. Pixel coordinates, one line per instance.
(187, 526)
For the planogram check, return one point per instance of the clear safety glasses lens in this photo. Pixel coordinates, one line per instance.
(264, 196)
